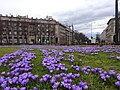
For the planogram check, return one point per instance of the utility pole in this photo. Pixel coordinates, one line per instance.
(72, 34)
(116, 22)
(91, 32)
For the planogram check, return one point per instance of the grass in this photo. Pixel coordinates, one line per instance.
(7, 50)
(102, 60)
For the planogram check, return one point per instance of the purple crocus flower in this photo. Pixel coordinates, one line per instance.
(14, 88)
(69, 75)
(35, 88)
(77, 75)
(118, 77)
(10, 80)
(111, 56)
(102, 75)
(107, 76)
(112, 72)
(93, 70)
(118, 58)
(74, 87)
(52, 80)
(56, 84)
(2, 79)
(84, 68)
(3, 85)
(83, 85)
(57, 76)
(34, 77)
(24, 75)
(41, 80)
(117, 83)
(14, 80)
(29, 74)
(44, 79)
(3, 73)
(24, 82)
(7, 88)
(67, 85)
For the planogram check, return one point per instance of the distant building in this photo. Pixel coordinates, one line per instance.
(110, 31)
(108, 35)
(103, 37)
(93, 40)
(24, 30)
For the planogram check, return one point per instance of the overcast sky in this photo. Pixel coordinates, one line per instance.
(85, 15)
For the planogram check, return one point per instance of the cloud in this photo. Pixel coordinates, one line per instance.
(81, 13)
(99, 11)
(81, 16)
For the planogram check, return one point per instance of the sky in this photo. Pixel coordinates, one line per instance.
(88, 16)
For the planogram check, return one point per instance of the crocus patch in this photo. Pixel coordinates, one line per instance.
(60, 68)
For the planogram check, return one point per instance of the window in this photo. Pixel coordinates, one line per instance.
(47, 33)
(47, 30)
(39, 33)
(9, 23)
(10, 33)
(10, 40)
(20, 24)
(43, 26)
(20, 33)
(3, 23)
(15, 24)
(20, 40)
(15, 40)
(20, 28)
(4, 32)
(15, 33)
(38, 25)
(46, 25)
(56, 39)
(15, 28)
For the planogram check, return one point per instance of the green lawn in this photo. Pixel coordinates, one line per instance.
(101, 60)
(7, 50)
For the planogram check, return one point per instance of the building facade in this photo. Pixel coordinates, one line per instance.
(24, 30)
(109, 33)
(103, 36)
(107, 36)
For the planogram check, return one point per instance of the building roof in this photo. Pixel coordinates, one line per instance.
(110, 20)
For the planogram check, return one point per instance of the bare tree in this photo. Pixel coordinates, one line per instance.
(80, 38)
(97, 38)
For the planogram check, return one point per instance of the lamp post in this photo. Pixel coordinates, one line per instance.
(72, 34)
(116, 22)
(92, 26)
(91, 32)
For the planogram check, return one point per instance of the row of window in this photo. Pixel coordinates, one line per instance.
(26, 29)
(26, 24)
(44, 40)
(26, 32)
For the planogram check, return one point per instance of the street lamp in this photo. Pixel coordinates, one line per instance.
(92, 29)
(116, 22)
(91, 32)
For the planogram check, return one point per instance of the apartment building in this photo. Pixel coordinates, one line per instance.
(24, 30)
(103, 36)
(110, 31)
(107, 36)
